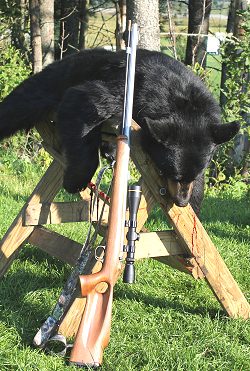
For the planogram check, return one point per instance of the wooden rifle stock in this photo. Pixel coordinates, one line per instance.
(94, 331)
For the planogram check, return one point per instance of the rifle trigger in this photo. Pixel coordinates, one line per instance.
(99, 253)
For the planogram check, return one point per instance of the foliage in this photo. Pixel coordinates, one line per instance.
(201, 72)
(236, 56)
(217, 182)
(13, 70)
(9, 11)
(14, 24)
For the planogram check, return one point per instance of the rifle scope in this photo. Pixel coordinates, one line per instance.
(134, 198)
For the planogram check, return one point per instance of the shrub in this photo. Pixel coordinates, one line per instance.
(13, 70)
(236, 57)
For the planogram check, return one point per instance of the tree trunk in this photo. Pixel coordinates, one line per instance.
(198, 24)
(35, 31)
(121, 11)
(47, 30)
(69, 34)
(84, 20)
(146, 14)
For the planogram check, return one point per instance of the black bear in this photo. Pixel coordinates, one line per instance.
(180, 119)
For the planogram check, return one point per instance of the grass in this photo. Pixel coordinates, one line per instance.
(166, 321)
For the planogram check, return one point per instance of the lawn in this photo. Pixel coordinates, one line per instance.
(166, 321)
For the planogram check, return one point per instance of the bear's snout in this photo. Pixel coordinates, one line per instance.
(180, 192)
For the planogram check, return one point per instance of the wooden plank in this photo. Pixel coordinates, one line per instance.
(182, 264)
(60, 212)
(192, 236)
(146, 205)
(17, 233)
(156, 244)
(47, 130)
(54, 244)
(164, 246)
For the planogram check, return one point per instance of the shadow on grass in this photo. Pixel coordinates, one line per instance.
(25, 295)
(22, 307)
(123, 292)
(36, 255)
(216, 209)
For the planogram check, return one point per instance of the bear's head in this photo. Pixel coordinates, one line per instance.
(182, 150)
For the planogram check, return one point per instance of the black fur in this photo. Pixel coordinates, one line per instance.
(180, 119)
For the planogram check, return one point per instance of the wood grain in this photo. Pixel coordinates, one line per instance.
(17, 233)
(56, 245)
(58, 212)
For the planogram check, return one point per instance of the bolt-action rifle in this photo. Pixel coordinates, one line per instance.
(94, 330)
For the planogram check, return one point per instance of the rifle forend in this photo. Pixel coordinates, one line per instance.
(94, 330)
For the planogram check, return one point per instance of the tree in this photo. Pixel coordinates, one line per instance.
(198, 25)
(14, 24)
(42, 33)
(84, 19)
(20, 26)
(47, 30)
(36, 41)
(121, 11)
(146, 14)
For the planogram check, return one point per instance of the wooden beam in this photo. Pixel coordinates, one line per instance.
(54, 244)
(62, 212)
(17, 233)
(156, 244)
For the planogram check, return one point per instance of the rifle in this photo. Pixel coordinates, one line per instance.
(94, 330)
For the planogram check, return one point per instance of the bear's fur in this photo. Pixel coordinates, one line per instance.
(180, 119)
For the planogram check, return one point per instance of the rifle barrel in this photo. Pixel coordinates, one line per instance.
(129, 84)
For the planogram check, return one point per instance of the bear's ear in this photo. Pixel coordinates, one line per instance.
(156, 128)
(222, 133)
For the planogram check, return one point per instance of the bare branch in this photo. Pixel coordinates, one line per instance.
(200, 32)
(171, 28)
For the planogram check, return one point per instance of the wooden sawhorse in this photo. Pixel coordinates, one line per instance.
(187, 248)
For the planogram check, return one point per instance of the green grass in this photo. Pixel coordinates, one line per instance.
(166, 321)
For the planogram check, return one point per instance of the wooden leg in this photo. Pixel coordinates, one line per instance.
(46, 190)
